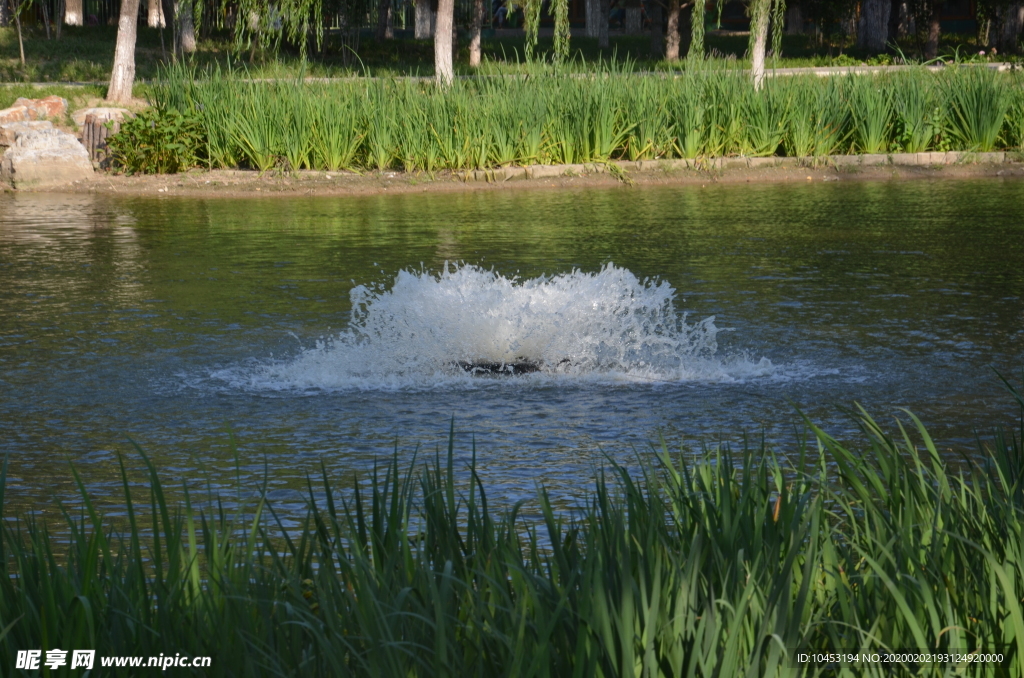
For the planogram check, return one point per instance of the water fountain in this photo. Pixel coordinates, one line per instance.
(466, 322)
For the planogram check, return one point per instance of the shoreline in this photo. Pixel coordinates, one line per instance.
(736, 170)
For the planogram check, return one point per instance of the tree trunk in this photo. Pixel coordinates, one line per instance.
(122, 76)
(383, 19)
(5, 14)
(874, 25)
(897, 19)
(455, 37)
(657, 41)
(672, 31)
(474, 34)
(931, 48)
(58, 20)
(186, 27)
(759, 14)
(16, 11)
(592, 10)
(633, 24)
(794, 19)
(848, 27)
(425, 19)
(444, 72)
(685, 27)
(1010, 20)
(207, 21)
(154, 15)
(46, 18)
(602, 25)
(169, 9)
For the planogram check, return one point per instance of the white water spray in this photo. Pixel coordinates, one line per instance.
(428, 328)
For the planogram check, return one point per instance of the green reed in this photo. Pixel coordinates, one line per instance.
(717, 564)
(919, 114)
(556, 117)
(870, 114)
(978, 102)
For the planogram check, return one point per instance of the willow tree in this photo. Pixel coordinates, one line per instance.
(444, 72)
(763, 13)
(560, 12)
(531, 23)
(476, 28)
(155, 14)
(185, 25)
(122, 75)
(697, 31)
(697, 23)
(265, 24)
(531, 26)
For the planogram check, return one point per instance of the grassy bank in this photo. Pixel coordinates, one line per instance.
(723, 565)
(547, 118)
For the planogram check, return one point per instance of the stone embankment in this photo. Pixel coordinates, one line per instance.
(840, 162)
(36, 154)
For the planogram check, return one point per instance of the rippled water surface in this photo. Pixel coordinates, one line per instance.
(172, 321)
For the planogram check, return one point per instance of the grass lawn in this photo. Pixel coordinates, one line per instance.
(85, 54)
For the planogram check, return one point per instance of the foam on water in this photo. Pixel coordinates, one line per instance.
(607, 326)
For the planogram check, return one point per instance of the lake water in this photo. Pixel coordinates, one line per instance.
(174, 321)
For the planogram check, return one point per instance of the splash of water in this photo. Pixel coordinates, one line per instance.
(428, 328)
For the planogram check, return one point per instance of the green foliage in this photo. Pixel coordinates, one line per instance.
(978, 103)
(158, 141)
(871, 114)
(715, 564)
(560, 13)
(264, 24)
(919, 117)
(1015, 119)
(765, 113)
(696, 52)
(531, 24)
(557, 116)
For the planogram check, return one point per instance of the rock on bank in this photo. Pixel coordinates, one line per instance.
(41, 158)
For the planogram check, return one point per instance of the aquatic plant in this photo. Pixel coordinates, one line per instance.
(157, 141)
(870, 114)
(719, 563)
(919, 116)
(556, 117)
(978, 103)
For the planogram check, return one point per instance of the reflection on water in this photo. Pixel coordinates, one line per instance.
(158, 319)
